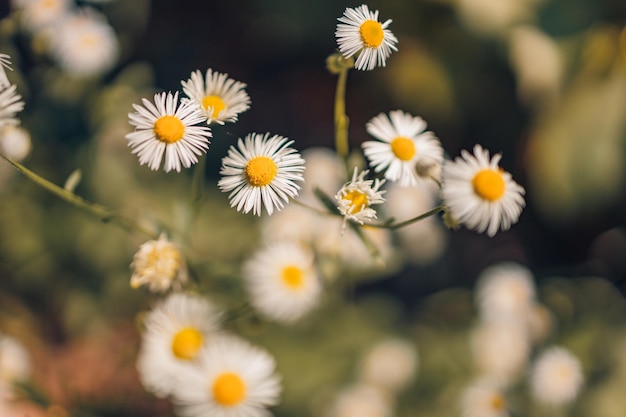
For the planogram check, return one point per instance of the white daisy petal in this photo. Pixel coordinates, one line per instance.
(357, 196)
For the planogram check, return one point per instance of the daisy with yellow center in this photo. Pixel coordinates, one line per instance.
(357, 196)
(404, 150)
(220, 98)
(556, 377)
(361, 33)
(231, 379)
(479, 194)
(484, 398)
(175, 332)
(39, 14)
(282, 281)
(84, 44)
(166, 129)
(10, 104)
(261, 171)
(160, 265)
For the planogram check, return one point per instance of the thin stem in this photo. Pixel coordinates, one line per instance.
(341, 119)
(105, 214)
(394, 226)
(197, 182)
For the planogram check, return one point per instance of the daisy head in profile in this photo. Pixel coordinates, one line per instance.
(231, 379)
(357, 196)
(403, 149)
(360, 33)
(262, 171)
(176, 329)
(159, 265)
(166, 130)
(556, 377)
(219, 97)
(283, 282)
(479, 194)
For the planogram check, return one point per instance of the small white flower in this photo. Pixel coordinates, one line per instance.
(175, 332)
(220, 98)
(361, 400)
(38, 14)
(160, 265)
(262, 172)
(231, 379)
(484, 398)
(404, 149)
(390, 365)
(361, 33)
(357, 196)
(10, 104)
(84, 44)
(556, 377)
(5, 62)
(479, 194)
(506, 290)
(15, 142)
(283, 282)
(15, 363)
(166, 128)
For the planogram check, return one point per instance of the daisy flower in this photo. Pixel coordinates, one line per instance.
(10, 104)
(38, 14)
(231, 379)
(5, 62)
(479, 194)
(84, 44)
(361, 400)
(15, 142)
(390, 365)
(15, 362)
(506, 290)
(484, 398)
(556, 377)
(282, 281)
(357, 195)
(160, 265)
(262, 172)
(403, 149)
(175, 332)
(167, 127)
(220, 98)
(361, 33)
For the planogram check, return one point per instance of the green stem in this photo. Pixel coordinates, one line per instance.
(197, 182)
(394, 226)
(341, 119)
(105, 214)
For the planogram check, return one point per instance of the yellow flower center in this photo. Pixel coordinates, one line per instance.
(358, 200)
(169, 129)
(213, 102)
(371, 33)
(260, 171)
(489, 184)
(187, 343)
(403, 148)
(498, 402)
(293, 277)
(229, 389)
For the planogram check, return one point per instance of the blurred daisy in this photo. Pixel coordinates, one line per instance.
(479, 194)
(166, 128)
(283, 282)
(484, 398)
(10, 104)
(361, 400)
(5, 62)
(361, 33)
(390, 365)
(231, 379)
(15, 363)
(37, 14)
(506, 290)
(84, 44)
(175, 332)
(262, 172)
(220, 98)
(160, 265)
(404, 149)
(357, 195)
(15, 142)
(556, 377)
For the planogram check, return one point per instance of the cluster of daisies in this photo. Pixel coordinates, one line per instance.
(15, 141)
(77, 39)
(508, 346)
